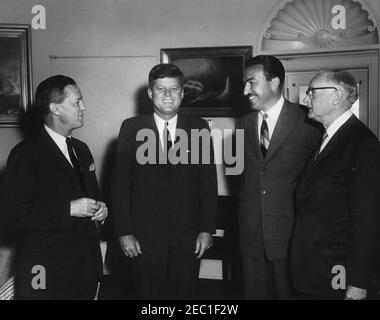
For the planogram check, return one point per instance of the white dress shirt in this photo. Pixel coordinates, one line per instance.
(273, 114)
(60, 141)
(160, 123)
(334, 127)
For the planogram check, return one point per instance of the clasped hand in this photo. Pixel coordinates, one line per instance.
(89, 208)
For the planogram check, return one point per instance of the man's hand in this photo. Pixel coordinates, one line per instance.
(101, 214)
(354, 293)
(130, 245)
(204, 242)
(83, 207)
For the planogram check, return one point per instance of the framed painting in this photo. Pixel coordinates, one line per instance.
(15, 73)
(213, 79)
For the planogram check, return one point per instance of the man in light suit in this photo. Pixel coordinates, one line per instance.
(278, 143)
(336, 240)
(164, 213)
(50, 196)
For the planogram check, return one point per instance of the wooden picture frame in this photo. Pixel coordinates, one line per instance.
(15, 73)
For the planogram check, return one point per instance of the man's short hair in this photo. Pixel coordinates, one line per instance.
(165, 70)
(52, 90)
(346, 80)
(272, 68)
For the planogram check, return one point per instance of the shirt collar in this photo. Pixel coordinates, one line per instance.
(59, 139)
(334, 127)
(274, 112)
(172, 123)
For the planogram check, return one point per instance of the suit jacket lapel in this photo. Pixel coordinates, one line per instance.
(251, 135)
(84, 166)
(312, 167)
(285, 123)
(56, 155)
(334, 142)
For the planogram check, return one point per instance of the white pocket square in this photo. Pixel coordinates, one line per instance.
(92, 167)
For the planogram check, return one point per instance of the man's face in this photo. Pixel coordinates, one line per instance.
(167, 95)
(260, 92)
(319, 102)
(71, 110)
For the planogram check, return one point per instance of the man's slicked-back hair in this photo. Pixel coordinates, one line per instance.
(345, 79)
(52, 90)
(272, 68)
(165, 70)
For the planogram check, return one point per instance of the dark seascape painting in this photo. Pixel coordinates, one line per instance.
(10, 77)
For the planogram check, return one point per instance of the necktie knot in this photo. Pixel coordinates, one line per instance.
(265, 116)
(322, 144)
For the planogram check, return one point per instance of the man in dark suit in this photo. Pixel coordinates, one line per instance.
(164, 212)
(49, 195)
(278, 142)
(335, 242)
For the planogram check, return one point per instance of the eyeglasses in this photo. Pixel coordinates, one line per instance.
(311, 89)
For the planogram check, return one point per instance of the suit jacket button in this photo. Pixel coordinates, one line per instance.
(264, 192)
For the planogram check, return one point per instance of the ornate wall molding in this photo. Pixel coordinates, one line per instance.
(307, 24)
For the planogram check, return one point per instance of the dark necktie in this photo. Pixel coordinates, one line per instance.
(264, 135)
(324, 137)
(74, 161)
(167, 145)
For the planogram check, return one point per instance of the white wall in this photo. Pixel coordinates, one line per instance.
(129, 28)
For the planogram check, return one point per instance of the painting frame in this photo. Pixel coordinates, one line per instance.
(16, 95)
(214, 79)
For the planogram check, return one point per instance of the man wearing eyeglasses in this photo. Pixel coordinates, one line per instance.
(335, 244)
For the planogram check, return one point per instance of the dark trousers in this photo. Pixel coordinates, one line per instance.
(172, 274)
(264, 279)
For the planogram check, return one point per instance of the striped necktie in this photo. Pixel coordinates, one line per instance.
(264, 135)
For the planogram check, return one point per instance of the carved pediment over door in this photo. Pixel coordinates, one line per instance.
(307, 24)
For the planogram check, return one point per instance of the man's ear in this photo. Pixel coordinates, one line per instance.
(337, 97)
(275, 82)
(150, 93)
(54, 109)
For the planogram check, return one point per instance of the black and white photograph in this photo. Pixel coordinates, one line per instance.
(189, 157)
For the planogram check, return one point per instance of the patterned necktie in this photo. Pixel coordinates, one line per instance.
(264, 136)
(74, 161)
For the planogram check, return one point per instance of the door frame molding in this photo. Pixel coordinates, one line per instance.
(365, 58)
